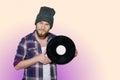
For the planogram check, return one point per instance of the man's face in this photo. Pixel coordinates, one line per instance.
(42, 28)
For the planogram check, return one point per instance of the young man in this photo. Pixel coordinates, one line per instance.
(31, 54)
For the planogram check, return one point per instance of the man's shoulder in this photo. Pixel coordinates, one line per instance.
(51, 35)
(29, 36)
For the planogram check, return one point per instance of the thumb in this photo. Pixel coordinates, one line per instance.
(44, 52)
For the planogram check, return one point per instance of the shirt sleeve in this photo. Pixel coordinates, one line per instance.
(21, 52)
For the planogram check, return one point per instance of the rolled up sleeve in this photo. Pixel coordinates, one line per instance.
(21, 52)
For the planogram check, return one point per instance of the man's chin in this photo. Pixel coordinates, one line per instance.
(42, 35)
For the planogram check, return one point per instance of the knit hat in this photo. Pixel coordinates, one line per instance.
(46, 14)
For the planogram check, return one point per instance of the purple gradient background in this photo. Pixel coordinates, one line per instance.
(17, 20)
(81, 67)
(94, 26)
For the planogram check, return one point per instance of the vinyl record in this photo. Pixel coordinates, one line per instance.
(61, 49)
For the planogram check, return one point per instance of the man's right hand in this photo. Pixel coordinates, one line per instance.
(43, 59)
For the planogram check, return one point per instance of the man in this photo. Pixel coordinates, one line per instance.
(31, 54)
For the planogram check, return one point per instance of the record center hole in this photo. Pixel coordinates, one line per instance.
(61, 50)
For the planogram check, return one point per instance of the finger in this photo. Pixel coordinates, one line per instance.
(76, 53)
(47, 60)
(44, 52)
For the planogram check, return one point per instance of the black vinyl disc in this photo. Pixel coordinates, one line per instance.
(61, 49)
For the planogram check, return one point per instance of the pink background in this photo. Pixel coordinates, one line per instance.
(93, 25)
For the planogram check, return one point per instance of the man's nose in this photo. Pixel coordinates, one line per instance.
(42, 26)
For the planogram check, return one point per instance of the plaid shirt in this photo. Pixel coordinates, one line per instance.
(28, 48)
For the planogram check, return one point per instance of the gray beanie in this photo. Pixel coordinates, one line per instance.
(46, 14)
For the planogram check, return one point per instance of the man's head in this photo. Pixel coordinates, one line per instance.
(44, 21)
(46, 14)
(42, 29)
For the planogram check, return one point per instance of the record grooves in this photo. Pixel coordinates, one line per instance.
(61, 49)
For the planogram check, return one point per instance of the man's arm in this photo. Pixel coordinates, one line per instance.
(26, 63)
